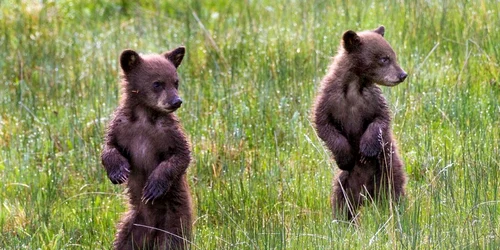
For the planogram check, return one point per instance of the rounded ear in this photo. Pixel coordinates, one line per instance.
(175, 55)
(129, 59)
(380, 30)
(351, 41)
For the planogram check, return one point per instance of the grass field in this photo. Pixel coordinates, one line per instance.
(260, 178)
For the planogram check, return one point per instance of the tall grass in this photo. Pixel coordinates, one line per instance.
(261, 179)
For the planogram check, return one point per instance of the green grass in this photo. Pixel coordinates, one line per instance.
(260, 179)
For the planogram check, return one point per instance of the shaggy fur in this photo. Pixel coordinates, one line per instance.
(352, 117)
(147, 149)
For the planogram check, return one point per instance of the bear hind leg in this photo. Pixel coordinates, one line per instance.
(390, 182)
(174, 233)
(123, 238)
(132, 234)
(346, 197)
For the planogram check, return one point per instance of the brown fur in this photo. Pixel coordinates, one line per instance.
(352, 117)
(147, 148)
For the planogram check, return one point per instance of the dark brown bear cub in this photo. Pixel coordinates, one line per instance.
(147, 148)
(352, 117)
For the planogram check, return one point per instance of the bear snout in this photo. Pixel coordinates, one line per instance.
(402, 76)
(175, 103)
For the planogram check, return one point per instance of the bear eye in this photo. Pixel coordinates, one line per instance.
(384, 60)
(157, 86)
(176, 83)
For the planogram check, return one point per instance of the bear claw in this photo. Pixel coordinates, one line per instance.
(119, 176)
(152, 191)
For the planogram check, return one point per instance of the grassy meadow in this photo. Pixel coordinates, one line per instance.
(260, 177)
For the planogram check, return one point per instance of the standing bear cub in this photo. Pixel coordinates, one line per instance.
(352, 117)
(147, 148)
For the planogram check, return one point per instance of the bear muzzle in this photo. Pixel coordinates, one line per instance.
(402, 76)
(394, 79)
(170, 106)
(175, 103)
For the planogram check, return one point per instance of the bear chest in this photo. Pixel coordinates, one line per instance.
(354, 111)
(146, 143)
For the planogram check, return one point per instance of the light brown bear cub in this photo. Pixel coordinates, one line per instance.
(352, 117)
(147, 148)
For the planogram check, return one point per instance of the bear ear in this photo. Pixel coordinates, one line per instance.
(380, 30)
(351, 41)
(175, 55)
(129, 59)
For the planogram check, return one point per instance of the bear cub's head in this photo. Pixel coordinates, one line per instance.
(152, 80)
(372, 57)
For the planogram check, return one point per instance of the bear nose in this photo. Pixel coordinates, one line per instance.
(402, 76)
(176, 103)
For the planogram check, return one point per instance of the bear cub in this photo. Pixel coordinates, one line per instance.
(352, 117)
(146, 148)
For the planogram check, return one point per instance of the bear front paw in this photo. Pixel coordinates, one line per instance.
(370, 148)
(120, 174)
(153, 190)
